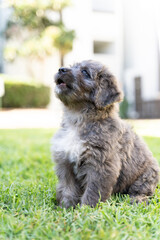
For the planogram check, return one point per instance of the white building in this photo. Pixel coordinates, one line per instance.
(141, 51)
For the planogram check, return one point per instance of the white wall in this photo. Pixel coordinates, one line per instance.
(140, 46)
(78, 17)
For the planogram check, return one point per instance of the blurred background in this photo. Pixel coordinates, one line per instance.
(39, 36)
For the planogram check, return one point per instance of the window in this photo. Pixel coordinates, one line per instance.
(103, 5)
(103, 47)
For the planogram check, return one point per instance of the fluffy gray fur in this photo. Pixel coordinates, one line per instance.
(96, 153)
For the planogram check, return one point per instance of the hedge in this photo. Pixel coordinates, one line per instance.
(22, 95)
(124, 109)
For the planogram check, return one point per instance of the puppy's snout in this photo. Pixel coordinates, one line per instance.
(63, 70)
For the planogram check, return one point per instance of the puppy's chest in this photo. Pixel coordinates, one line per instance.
(68, 143)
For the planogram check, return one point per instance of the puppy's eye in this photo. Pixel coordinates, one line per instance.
(86, 74)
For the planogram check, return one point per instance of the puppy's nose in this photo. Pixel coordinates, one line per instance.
(63, 70)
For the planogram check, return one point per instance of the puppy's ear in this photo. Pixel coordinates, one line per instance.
(107, 91)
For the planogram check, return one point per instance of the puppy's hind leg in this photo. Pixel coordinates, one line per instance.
(144, 186)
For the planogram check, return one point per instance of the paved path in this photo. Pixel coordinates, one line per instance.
(45, 118)
(29, 118)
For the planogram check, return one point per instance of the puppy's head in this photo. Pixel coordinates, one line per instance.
(87, 82)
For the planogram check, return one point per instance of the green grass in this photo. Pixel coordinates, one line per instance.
(28, 208)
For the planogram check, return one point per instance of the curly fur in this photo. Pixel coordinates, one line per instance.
(96, 153)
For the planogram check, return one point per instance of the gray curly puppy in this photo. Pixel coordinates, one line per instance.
(96, 153)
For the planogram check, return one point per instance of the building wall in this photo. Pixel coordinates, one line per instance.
(141, 48)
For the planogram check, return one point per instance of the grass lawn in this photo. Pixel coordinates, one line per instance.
(28, 208)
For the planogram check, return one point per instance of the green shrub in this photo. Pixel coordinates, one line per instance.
(124, 109)
(23, 95)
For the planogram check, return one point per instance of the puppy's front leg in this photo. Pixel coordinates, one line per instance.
(99, 186)
(68, 191)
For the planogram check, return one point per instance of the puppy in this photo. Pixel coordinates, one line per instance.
(96, 153)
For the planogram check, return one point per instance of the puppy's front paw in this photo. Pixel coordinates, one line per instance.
(65, 203)
(89, 200)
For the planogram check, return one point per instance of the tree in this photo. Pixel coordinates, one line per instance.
(40, 28)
